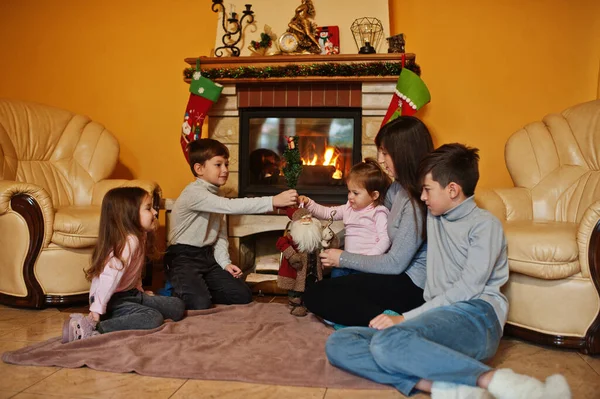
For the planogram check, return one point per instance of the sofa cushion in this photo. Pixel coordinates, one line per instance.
(76, 226)
(546, 250)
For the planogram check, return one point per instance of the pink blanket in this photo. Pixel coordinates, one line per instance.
(257, 343)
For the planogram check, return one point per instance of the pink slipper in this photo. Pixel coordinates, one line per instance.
(78, 327)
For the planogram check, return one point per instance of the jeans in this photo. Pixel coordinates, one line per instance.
(342, 271)
(134, 310)
(443, 344)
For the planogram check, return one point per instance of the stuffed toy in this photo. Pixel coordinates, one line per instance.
(300, 265)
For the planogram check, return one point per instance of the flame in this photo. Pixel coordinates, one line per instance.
(329, 155)
(329, 158)
(311, 162)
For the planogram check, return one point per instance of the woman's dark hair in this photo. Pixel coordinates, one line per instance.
(407, 140)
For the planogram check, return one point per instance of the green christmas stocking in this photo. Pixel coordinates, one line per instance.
(410, 95)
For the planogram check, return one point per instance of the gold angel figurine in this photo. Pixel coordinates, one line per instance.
(302, 27)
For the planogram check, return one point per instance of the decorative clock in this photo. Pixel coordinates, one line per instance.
(288, 42)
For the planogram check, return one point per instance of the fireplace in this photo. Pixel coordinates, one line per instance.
(329, 143)
(247, 105)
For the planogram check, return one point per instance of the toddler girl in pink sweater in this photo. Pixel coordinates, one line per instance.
(364, 216)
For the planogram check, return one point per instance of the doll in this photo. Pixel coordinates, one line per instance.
(300, 265)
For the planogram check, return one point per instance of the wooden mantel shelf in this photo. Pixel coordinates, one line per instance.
(207, 63)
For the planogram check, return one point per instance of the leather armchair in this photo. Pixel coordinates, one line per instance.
(54, 167)
(551, 220)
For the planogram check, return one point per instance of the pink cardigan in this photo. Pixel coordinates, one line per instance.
(366, 229)
(117, 277)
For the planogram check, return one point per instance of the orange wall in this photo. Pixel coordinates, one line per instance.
(120, 62)
(491, 66)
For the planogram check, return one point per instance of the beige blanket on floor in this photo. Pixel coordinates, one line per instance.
(257, 343)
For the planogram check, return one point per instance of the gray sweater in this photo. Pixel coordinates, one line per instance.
(407, 252)
(198, 217)
(466, 259)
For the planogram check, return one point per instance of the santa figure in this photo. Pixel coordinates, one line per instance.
(300, 264)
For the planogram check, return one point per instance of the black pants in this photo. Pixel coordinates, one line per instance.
(198, 279)
(354, 300)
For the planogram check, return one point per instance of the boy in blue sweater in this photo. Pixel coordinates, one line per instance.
(438, 347)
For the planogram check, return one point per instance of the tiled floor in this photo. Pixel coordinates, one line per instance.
(19, 328)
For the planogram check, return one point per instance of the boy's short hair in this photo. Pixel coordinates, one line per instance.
(454, 162)
(202, 150)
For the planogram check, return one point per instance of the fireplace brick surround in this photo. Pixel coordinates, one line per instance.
(370, 93)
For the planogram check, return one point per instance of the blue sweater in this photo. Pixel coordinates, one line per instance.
(466, 259)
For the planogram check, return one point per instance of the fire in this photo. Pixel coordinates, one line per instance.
(329, 158)
(311, 162)
(328, 155)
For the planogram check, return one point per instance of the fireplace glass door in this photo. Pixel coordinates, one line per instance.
(329, 144)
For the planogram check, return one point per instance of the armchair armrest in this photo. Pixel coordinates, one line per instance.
(507, 204)
(103, 186)
(587, 226)
(10, 189)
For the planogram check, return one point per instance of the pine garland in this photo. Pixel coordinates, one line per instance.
(293, 162)
(321, 69)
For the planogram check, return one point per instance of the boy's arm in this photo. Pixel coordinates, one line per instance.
(380, 217)
(109, 279)
(324, 212)
(209, 202)
(222, 245)
(486, 245)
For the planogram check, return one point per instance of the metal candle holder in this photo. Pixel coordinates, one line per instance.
(232, 28)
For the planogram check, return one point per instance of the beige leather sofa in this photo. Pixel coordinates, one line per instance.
(53, 175)
(551, 218)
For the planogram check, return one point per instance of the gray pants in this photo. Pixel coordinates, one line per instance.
(134, 310)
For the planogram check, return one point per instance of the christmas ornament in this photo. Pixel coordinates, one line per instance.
(293, 162)
(316, 69)
(299, 266)
(203, 94)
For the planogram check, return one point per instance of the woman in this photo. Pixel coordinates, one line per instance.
(395, 280)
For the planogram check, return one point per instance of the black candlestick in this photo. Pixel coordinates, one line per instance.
(232, 28)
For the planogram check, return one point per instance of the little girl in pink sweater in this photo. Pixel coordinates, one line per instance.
(117, 299)
(364, 216)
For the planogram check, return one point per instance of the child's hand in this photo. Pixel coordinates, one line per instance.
(149, 293)
(234, 270)
(384, 321)
(286, 198)
(331, 257)
(303, 200)
(94, 316)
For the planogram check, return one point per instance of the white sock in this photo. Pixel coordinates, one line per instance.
(448, 390)
(506, 384)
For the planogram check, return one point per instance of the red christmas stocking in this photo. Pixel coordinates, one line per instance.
(203, 94)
